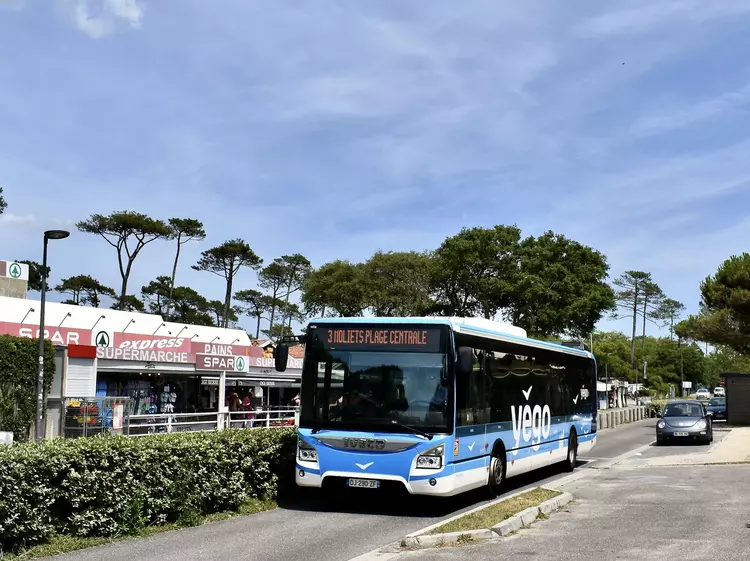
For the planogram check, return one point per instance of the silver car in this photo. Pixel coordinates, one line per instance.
(684, 420)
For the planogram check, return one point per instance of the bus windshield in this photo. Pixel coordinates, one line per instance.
(377, 390)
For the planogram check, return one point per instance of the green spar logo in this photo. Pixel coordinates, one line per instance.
(14, 271)
(239, 364)
(102, 339)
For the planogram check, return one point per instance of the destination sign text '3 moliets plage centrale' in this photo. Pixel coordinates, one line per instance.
(422, 339)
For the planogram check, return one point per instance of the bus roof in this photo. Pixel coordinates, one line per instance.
(474, 326)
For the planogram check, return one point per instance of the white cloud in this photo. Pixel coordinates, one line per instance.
(9, 219)
(680, 117)
(99, 18)
(663, 13)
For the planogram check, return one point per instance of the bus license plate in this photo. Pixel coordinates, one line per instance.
(681, 434)
(364, 483)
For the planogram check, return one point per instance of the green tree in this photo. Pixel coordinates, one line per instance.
(84, 290)
(724, 359)
(670, 312)
(337, 288)
(254, 304)
(218, 311)
(225, 261)
(652, 299)
(128, 232)
(35, 275)
(477, 271)
(187, 306)
(398, 283)
(183, 230)
(290, 312)
(561, 288)
(298, 268)
(724, 317)
(3, 204)
(278, 331)
(156, 295)
(130, 303)
(273, 278)
(613, 355)
(628, 295)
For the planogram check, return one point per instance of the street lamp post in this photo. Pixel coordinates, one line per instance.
(48, 235)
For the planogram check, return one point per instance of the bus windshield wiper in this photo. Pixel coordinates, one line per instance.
(415, 430)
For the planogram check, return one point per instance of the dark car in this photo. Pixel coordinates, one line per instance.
(717, 408)
(684, 420)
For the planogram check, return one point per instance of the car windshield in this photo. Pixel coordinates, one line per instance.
(718, 401)
(683, 410)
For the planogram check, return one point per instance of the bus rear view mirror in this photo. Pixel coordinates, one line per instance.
(465, 361)
(280, 356)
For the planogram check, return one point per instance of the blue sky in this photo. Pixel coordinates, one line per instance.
(337, 128)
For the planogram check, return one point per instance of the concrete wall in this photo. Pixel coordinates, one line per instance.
(611, 418)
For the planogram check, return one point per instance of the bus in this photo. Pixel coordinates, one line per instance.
(437, 406)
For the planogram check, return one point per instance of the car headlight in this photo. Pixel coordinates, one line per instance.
(702, 424)
(432, 458)
(305, 452)
(661, 424)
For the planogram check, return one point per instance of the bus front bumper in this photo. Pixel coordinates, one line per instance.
(441, 485)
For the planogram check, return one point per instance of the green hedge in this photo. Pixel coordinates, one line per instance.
(110, 486)
(19, 368)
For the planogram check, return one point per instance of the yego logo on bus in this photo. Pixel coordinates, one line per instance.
(532, 424)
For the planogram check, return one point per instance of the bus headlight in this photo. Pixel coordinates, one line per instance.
(305, 452)
(432, 458)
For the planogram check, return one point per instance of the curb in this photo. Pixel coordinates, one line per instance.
(523, 519)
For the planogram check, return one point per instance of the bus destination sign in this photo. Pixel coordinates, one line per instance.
(414, 338)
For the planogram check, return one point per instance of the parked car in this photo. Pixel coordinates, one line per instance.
(703, 393)
(717, 408)
(684, 420)
(719, 392)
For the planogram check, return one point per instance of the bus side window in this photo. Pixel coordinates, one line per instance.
(470, 396)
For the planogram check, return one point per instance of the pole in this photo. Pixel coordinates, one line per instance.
(40, 378)
(606, 377)
(682, 376)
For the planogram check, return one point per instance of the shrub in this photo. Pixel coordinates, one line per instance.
(110, 486)
(19, 368)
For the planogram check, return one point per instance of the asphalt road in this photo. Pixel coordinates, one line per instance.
(318, 529)
(686, 513)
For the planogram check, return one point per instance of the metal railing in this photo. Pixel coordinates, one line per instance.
(90, 416)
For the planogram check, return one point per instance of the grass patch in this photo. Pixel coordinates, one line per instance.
(59, 544)
(492, 515)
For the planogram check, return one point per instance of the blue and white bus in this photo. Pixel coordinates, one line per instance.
(437, 406)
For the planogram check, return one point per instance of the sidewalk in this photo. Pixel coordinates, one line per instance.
(733, 448)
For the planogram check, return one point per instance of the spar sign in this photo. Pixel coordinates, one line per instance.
(57, 335)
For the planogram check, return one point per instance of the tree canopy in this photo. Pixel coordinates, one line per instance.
(724, 317)
(336, 288)
(128, 232)
(561, 287)
(35, 275)
(84, 290)
(226, 260)
(3, 204)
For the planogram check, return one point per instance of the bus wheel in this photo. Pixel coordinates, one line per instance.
(572, 460)
(496, 476)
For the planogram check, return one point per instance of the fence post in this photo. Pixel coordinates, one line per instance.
(169, 424)
(268, 419)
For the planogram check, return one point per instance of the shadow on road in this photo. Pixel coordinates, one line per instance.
(361, 501)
